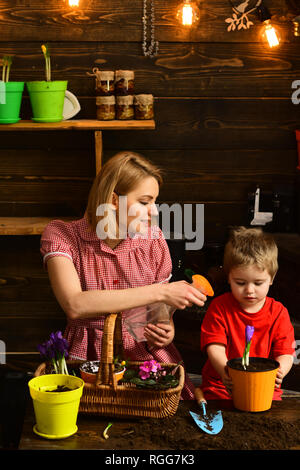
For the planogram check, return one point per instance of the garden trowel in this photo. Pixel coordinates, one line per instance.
(211, 423)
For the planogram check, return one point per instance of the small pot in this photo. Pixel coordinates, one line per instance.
(47, 100)
(253, 389)
(55, 412)
(90, 377)
(10, 101)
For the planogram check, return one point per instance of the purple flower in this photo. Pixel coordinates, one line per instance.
(249, 333)
(147, 367)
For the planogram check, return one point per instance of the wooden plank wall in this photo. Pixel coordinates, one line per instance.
(225, 123)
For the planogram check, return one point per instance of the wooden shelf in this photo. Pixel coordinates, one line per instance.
(36, 225)
(26, 225)
(81, 124)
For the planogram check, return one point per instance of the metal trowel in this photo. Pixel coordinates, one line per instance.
(211, 423)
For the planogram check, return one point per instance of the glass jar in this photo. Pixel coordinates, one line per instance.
(143, 106)
(124, 107)
(106, 108)
(105, 82)
(124, 82)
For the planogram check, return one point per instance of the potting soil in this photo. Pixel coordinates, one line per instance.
(241, 431)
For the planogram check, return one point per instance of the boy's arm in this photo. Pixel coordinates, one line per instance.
(217, 355)
(286, 362)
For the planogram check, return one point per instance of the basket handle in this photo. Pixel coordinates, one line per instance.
(111, 343)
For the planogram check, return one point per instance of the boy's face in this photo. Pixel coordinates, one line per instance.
(250, 285)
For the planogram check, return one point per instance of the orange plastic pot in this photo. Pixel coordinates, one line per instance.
(253, 390)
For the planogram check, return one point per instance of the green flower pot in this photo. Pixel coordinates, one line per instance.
(47, 100)
(10, 101)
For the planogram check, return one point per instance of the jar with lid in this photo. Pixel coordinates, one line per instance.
(106, 108)
(143, 107)
(124, 107)
(105, 82)
(124, 82)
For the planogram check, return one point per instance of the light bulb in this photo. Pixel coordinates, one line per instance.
(73, 3)
(188, 13)
(270, 34)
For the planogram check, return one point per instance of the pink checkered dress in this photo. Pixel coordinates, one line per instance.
(134, 262)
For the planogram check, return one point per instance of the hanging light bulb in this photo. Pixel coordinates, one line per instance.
(269, 33)
(73, 3)
(188, 13)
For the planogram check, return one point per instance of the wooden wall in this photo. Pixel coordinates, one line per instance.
(225, 123)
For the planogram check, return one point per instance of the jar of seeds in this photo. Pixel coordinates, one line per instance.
(106, 108)
(143, 106)
(124, 82)
(105, 82)
(124, 107)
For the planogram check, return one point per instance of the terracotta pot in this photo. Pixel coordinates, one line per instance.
(253, 390)
(90, 377)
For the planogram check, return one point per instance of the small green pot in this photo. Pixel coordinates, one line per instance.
(10, 101)
(47, 100)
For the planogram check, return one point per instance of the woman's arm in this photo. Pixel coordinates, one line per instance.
(87, 304)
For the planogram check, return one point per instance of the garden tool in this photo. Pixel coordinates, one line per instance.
(211, 423)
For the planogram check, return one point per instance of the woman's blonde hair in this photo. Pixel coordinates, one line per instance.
(248, 246)
(120, 174)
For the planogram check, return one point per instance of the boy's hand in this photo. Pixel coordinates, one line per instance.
(279, 378)
(227, 380)
(159, 335)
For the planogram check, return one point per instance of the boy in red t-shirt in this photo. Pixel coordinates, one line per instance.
(250, 262)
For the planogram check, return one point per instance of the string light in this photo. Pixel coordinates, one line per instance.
(188, 13)
(73, 3)
(269, 33)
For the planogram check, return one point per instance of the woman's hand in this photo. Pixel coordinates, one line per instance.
(159, 335)
(181, 294)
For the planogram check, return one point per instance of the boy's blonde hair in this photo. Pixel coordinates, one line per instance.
(248, 246)
(120, 174)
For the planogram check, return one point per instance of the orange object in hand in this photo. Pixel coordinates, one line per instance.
(201, 283)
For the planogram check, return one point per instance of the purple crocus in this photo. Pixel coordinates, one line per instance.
(249, 333)
(55, 350)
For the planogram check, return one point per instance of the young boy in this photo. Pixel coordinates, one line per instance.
(250, 262)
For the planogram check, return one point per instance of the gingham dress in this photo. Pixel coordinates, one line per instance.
(134, 262)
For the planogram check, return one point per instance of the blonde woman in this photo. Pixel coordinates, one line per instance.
(114, 259)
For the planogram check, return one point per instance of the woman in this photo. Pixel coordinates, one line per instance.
(113, 260)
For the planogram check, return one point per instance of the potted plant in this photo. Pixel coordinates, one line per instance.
(47, 96)
(10, 94)
(88, 370)
(253, 379)
(152, 375)
(56, 396)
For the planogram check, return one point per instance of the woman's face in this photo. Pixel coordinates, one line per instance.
(135, 212)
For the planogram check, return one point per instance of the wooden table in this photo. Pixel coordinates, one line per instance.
(124, 433)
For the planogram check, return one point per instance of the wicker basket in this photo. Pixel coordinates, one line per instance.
(108, 398)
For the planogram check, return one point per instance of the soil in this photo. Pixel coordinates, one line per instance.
(61, 388)
(241, 431)
(255, 365)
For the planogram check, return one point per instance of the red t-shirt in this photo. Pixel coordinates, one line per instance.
(225, 322)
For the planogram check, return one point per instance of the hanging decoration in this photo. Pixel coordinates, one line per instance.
(151, 49)
(188, 13)
(239, 19)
